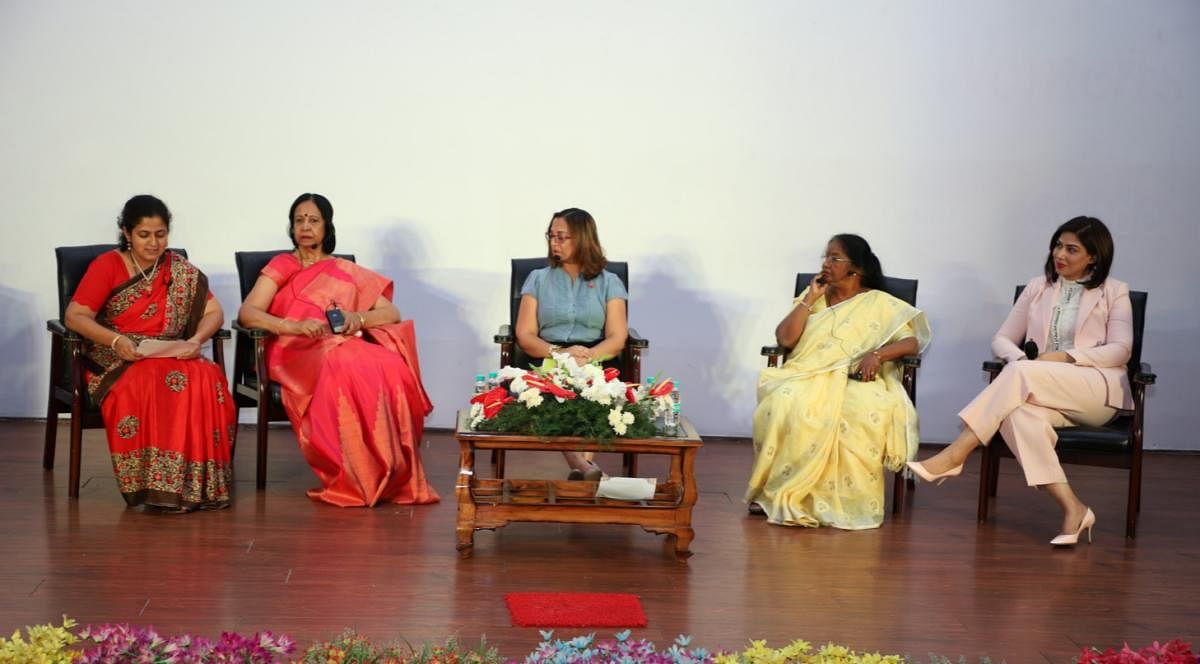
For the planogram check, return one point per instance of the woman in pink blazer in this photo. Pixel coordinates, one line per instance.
(1066, 341)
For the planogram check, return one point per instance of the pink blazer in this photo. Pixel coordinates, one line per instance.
(1103, 331)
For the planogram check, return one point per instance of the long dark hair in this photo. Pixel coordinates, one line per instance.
(588, 252)
(326, 210)
(1095, 238)
(136, 209)
(865, 262)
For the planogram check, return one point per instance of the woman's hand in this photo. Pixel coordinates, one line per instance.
(308, 327)
(816, 288)
(192, 352)
(1056, 356)
(869, 367)
(581, 354)
(354, 323)
(126, 349)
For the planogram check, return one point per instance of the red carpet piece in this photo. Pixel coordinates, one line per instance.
(575, 610)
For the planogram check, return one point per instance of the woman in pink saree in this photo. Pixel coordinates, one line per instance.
(354, 396)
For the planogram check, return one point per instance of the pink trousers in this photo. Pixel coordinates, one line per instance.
(1027, 400)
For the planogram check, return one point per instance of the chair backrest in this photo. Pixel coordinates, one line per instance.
(250, 264)
(901, 289)
(1137, 300)
(521, 267)
(73, 263)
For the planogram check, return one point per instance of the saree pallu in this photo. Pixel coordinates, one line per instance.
(356, 404)
(170, 423)
(822, 440)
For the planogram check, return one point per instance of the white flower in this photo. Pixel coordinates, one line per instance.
(597, 393)
(531, 397)
(476, 414)
(518, 385)
(509, 373)
(619, 420)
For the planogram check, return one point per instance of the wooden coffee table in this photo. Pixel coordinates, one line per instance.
(490, 503)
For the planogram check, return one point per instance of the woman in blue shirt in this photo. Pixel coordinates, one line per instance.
(573, 305)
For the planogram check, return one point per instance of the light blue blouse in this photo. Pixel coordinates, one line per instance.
(572, 311)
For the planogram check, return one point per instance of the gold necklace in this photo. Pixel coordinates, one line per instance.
(153, 270)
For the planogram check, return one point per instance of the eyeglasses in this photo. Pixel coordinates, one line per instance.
(834, 259)
(557, 237)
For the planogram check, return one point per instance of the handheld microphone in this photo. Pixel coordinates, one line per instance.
(1031, 349)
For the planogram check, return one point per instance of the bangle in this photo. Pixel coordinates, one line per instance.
(877, 356)
(113, 345)
(552, 349)
(362, 321)
(806, 305)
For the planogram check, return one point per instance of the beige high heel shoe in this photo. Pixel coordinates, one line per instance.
(1069, 539)
(919, 469)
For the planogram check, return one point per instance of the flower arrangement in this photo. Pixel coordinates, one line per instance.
(617, 650)
(125, 643)
(1175, 651)
(562, 398)
(353, 648)
(43, 643)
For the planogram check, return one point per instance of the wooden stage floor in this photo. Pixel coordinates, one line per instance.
(931, 580)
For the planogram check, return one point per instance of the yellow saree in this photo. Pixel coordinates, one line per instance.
(821, 440)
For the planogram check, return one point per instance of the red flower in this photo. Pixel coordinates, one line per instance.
(662, 389)
(547, 386)
(610, 374)
(493, 401)
(630, 395)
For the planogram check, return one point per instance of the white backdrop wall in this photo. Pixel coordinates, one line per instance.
(718, 144)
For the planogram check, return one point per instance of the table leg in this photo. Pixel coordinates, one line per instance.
(465, 526)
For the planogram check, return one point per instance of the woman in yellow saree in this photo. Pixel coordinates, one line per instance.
(835, 415)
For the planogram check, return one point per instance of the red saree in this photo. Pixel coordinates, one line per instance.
(357, 406)
(170, 423)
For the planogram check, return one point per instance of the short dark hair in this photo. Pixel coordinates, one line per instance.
(870, 272)
(1096, 240)
(326, 210)
(136, 209)
(588, 252)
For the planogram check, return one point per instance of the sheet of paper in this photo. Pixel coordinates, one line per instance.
(627, 488)
(159, 348)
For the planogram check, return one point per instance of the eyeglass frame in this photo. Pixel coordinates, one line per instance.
(835, 259)
(561, 237)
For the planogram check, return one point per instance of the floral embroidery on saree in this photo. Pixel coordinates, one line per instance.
(128, 426)
(176, 381)
(165, 473)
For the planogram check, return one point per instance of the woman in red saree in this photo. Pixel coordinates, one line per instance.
(354, 397)
(170, 420)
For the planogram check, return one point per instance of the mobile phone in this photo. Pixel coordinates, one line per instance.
(337, 320)
(821, 280)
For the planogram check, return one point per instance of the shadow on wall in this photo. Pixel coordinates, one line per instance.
(451, 348)
(25, 354)
(687, 340)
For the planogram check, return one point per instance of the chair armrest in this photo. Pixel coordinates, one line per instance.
(58, 329)
(252, 332)
(222, 335)
(913, 361)
(774, 351)
(993, 366)
(635, 340)
(1144, 376)
(504, 335)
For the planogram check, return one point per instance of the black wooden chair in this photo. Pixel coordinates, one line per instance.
(629, 363)
(902, 289)
(68, 389)
(1117, 444)
(250, 362)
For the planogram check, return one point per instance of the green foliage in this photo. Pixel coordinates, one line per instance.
(574, 417)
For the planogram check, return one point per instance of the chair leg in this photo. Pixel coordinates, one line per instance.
(985, 481)
(630, 463)
(898, 482)
(498, 462)
(76, 451)
(260, 471)
(51, 432)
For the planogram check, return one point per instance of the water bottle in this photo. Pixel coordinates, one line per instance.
(480, 384)
(671, 421)
(675, 396)
(493, 380)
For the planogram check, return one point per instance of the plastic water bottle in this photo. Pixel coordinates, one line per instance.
(671, 421)
(493, 380)
(675, 399)
(480, 384)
